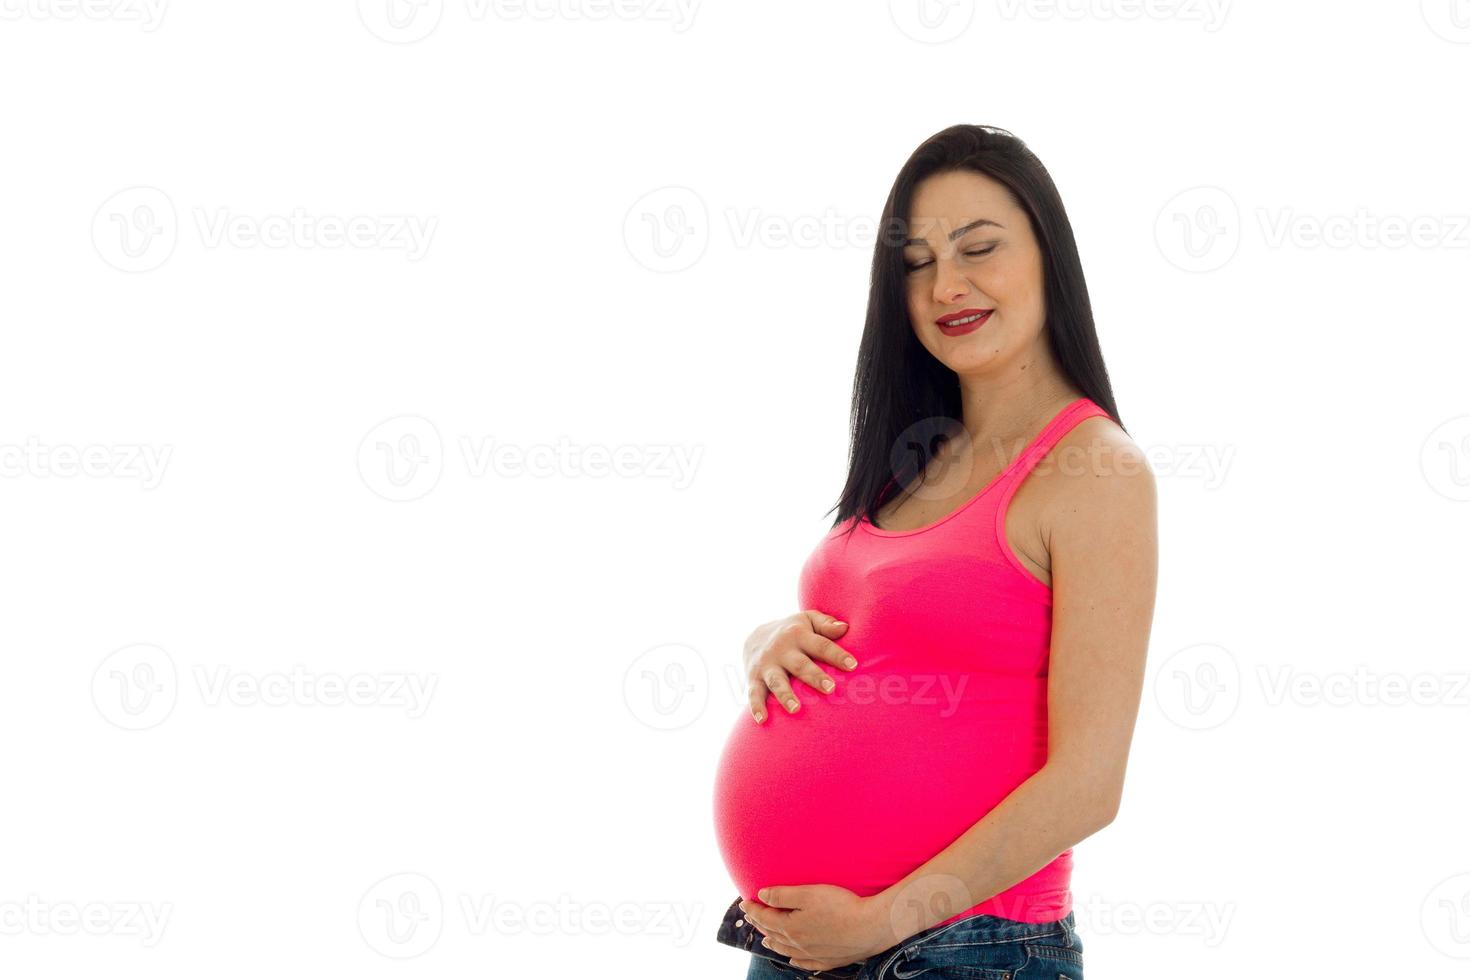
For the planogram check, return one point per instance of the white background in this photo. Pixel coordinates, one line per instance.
(578, 630)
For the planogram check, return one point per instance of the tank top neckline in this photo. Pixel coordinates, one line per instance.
(995, 481)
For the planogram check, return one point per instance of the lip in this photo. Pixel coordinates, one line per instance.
(964, 328)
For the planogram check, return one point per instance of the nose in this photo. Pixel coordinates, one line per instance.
(949, 287)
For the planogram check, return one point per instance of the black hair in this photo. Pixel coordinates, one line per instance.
(899, 388)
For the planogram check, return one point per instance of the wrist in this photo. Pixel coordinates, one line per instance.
(881, 924)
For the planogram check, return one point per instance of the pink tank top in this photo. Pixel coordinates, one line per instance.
(943, 717)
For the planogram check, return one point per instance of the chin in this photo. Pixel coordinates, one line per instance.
(975, 352)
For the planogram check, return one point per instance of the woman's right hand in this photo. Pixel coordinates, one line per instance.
(786, 647)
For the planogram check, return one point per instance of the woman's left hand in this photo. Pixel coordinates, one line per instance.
(821, 927)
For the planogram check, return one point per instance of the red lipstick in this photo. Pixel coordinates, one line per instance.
(963, 322)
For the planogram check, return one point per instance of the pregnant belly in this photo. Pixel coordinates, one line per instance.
(863, 785)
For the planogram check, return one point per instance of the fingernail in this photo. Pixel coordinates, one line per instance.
(760, 716)
(827, 684)
(849, 663)
(838, 622)
(791, 705)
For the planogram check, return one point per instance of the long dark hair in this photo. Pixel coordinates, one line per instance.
(899, 387)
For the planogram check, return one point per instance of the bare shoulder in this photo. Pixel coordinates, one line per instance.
(1096, 451)
(1102, 487)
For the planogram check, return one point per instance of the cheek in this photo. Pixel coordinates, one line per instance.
(1014, 287)
(1000, 282)
(918, 305)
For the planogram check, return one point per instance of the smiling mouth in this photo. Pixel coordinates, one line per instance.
(964, 324)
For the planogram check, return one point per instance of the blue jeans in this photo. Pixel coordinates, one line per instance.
(978, 947)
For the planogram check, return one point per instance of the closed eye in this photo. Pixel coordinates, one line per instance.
(977, 252)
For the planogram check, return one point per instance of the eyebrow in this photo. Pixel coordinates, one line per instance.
(980, 222)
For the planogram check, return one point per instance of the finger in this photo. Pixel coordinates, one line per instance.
(819, 647)
(770, 921)
(756, 694)
(775, 679)
(769, 931)
(798, 664)
(784, 948)
(815, 966)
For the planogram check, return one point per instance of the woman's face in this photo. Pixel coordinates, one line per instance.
(970, 248)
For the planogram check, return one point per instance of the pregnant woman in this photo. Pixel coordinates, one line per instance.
(974, 624)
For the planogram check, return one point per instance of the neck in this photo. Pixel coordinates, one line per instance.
(1008, 400)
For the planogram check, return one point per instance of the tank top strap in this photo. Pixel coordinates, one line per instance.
(1062, 423)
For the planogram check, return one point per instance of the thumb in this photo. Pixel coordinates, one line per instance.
(780, 896)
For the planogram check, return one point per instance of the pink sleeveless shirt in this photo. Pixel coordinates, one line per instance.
(943, 717)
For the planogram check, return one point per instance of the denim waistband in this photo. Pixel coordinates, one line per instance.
(979, 930)
(991, 928)
(973, 929)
